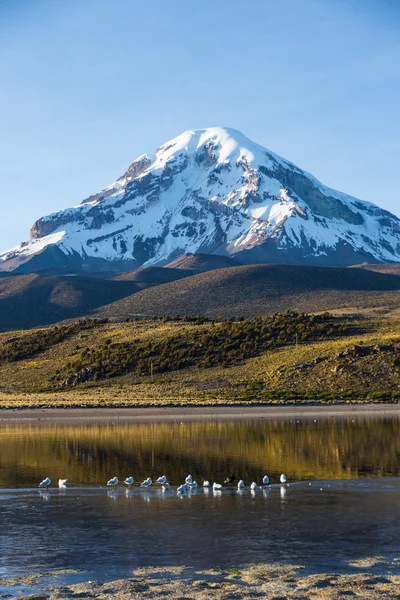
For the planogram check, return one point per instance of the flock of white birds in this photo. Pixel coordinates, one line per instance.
(189, 483)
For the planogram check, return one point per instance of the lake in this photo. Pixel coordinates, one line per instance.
(341, 503)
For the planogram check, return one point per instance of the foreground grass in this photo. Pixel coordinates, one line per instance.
(368, 579)
(329, 369)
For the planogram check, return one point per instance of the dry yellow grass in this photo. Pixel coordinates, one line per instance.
(273, 376)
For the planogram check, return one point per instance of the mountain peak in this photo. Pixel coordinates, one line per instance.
(210, 191)
(225, 141)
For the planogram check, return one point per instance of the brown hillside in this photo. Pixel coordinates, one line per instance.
(262, 289)
(388, 269)
(202, 262)
(150, 276)
(33, 300)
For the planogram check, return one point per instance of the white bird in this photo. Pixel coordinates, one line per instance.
(129, 481)
(62, 483)
(282, 478)
(254, 486)
(241, 484)
(265, 480)
(216, 486)
(189, 479)
(161, 479)
(193, 484)
(146, 483)
(165, 486)
(206, 484)
(113, 482)
(45, 483)
(182, 488)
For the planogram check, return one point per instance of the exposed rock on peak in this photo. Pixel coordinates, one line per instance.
(211, 191)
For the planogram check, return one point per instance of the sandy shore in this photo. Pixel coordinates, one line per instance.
(204, 413)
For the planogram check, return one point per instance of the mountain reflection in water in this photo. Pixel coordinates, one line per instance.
(89, 453)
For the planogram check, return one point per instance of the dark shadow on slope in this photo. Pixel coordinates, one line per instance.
(32, 300)
(261, 289)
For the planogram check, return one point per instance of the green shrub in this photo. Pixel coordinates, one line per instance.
(224, 344)
(41, 339)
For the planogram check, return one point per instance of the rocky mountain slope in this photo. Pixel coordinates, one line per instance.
(210, 191)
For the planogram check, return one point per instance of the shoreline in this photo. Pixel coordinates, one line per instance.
(202, 413)
(368, 578)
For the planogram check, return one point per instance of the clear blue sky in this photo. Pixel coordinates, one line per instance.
(87, 85)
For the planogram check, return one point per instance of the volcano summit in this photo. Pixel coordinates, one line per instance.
(210, 191)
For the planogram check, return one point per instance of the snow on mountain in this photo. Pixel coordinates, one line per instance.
(211, 191)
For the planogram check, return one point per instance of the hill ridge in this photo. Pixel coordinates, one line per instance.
(252, 290)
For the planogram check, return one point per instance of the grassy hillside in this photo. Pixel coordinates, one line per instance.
(202, 262)
(150, 276)
(389, 269)
(284, 358)
(263, 289)
(33, 299)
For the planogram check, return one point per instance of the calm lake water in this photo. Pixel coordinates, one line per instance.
(342, 501)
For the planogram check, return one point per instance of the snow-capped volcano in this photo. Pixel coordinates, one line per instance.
(211, 191)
